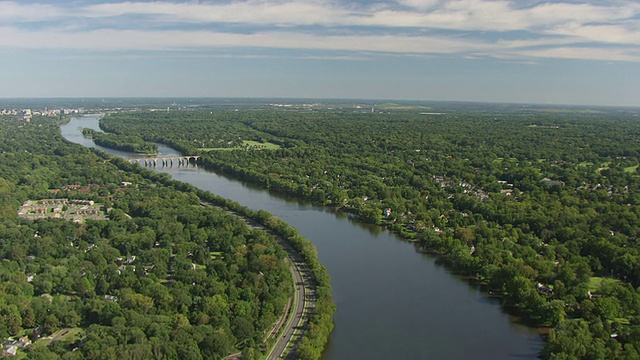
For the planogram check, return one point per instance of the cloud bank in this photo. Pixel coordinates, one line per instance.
(524, 29)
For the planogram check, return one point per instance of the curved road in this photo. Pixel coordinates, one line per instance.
(299, 313)
(300, 310)
(304, 300)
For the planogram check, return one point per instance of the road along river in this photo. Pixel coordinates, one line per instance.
(392, 302)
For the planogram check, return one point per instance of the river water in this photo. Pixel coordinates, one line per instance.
(392, 302)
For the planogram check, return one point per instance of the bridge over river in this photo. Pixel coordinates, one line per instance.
(393, 303)
(167, 161)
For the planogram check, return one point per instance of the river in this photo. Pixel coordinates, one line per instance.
(392, 302)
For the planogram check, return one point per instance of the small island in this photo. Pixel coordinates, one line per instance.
(130, 143)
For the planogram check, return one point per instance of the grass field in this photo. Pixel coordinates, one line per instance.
(247, 143)
(628, 169)
(265, 145)
(604, 166)
(70, 335)
(219, 149)
(596, 282)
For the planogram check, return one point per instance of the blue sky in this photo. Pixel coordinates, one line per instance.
(562, 52)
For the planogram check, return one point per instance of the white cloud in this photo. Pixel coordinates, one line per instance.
(502, 28)
(252, 12)
(488, 15)
(111, 39)
(13, 11)
(585, 53)
(616, 34)
(418, 4)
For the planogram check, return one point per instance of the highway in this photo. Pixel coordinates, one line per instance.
(299, 311)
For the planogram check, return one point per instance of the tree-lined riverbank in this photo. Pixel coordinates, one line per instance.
(353, 253)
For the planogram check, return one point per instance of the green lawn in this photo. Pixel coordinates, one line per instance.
(623, 321)
(72, 335)
(595, 282)
(604, 166)
(629, 169)
(265, 145)
(255, 144)
(219, 149)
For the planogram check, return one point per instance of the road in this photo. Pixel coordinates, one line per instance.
(301, 309)
(298, 313)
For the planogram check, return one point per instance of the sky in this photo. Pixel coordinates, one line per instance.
(516, 51)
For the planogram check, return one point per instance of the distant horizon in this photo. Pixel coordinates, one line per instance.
(312, 99)
(574, 52)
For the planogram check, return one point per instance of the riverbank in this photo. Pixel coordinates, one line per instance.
(314, 316)
(444, 243)
(384, 290)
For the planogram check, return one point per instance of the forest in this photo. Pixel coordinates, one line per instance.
(539, 206)
(164, 278)
(121, 142)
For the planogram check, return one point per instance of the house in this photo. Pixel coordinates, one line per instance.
(544, 289)
(23, 342)
(10, 351)
(549, 182)
(126, 261)
(36, 333)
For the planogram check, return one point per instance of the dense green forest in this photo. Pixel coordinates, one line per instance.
(542, 207)
(129, 143)
(165, 277)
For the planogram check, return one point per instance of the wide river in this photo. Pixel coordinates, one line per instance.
(392, 302)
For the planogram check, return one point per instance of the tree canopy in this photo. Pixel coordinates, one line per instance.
(541, 207)
(165, 277)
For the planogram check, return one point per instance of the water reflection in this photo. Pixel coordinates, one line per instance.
(391, 302)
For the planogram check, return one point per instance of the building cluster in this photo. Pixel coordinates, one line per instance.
(28, 113)
(75, 210)
(466, 187)
(11, 346)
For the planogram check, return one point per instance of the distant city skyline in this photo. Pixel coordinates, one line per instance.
(525, 51)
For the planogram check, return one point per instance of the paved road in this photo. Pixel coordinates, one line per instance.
(293, 318)
(303, 304)
(301, 309)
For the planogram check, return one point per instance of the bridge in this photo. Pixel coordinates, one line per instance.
(167, 161)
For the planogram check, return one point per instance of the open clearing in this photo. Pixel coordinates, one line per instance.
(247, 145)
(596, 282)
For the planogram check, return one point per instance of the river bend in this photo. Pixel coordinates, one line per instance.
(392, 302)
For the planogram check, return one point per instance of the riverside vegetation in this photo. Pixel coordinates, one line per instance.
(122, 142)
(165, 277)
(541, 206)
